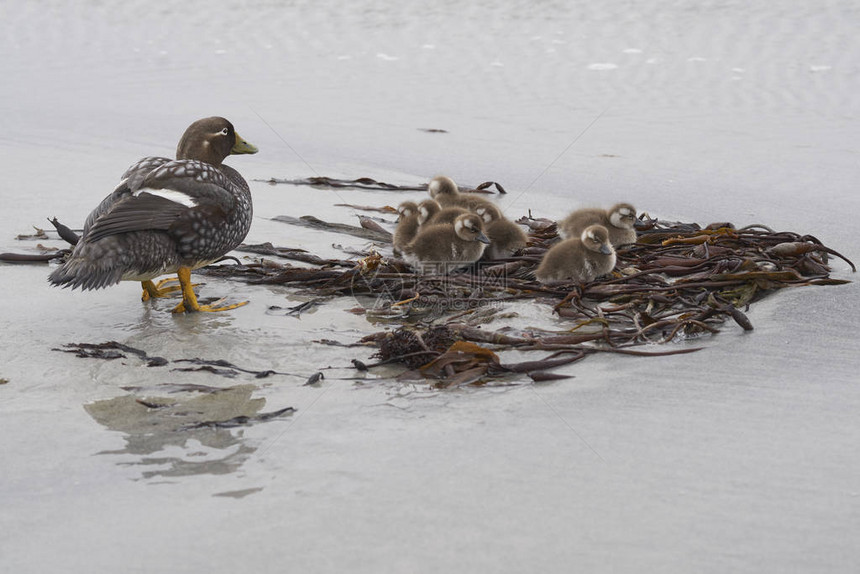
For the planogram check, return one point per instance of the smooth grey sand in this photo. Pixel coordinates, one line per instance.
(738, 458)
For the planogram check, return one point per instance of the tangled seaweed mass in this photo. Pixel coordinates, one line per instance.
(677, 280)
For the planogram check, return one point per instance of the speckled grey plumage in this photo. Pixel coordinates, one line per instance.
(136, 233)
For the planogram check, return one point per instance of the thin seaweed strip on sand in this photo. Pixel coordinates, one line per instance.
(678, 280)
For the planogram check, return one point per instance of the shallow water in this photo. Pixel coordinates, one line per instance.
(739, 457)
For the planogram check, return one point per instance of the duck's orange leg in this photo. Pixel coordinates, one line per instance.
(154, 291)
(189, 299)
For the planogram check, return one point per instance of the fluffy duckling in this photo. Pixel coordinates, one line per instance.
(505, 236)
(407, 225)
(445, 191)
(618, 220)
(427, 209)
(581, 259)
(443, 247)
(167, 216)
(448, 215)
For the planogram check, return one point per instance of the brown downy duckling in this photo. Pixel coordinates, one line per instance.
(618, 220)
(407, 225)
(506, 237)
(448, 215)
(427, 209)
(445, 191)
(444, 247)
(581, 259)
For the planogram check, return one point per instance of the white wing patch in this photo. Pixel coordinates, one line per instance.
(171, 194)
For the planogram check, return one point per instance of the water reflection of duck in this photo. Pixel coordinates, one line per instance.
(167, 216)
(581, 259)
(443, 247)
(159, 431)
(618, 221)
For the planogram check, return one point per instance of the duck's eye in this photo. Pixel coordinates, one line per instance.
(224, 132)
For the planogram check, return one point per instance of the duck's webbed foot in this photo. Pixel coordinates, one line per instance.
(189, 302)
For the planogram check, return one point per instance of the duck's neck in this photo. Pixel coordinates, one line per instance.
(200, 151)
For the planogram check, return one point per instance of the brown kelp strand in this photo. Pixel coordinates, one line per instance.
(31, 257)
(430, 355)
(335, 183)
(66, 234)
(45, 254)
(111, 350)
(312, 222)
(239, 421)
(372, 184)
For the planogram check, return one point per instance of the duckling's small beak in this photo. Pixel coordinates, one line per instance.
(483, 238)
(605, 249)
(241, 146)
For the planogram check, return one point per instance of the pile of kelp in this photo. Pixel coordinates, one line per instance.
(679, 280)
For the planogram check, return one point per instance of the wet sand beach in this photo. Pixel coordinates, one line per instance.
(740, 457)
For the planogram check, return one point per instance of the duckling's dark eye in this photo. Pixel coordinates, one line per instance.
(224, 132)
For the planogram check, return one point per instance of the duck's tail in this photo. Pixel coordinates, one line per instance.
(87, 269)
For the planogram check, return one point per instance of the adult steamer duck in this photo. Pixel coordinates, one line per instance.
(167, 216)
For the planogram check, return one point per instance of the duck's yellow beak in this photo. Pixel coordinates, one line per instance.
(241, 146)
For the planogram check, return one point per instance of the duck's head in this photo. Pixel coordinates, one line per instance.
(407, 209)
(442, 185)
(622, 215)
(489, 213)
(427, 209)
(469, 227)
(596, 238)
(212, 140)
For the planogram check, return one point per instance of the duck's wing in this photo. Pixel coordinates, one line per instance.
(135, 175)
(175, 192)
(195, 181)
(130, 181)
